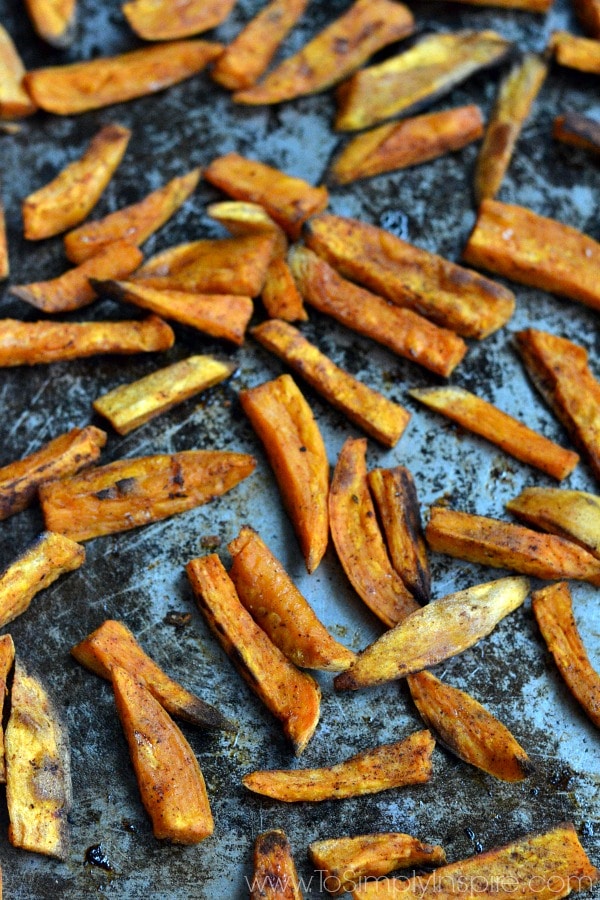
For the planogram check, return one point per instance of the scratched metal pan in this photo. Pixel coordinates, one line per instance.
(138, 576)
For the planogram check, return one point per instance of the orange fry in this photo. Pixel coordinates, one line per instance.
(577, 130)
(168, 20)
(242, 218)
(280, 296)
(54, 20)
(15, 102)
(275, 876)
(576, 52)
(534, 6)
(574, 515)
(4, 260)
(7, 658)
(588, 13)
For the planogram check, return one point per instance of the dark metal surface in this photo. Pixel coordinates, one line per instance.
(138, 576)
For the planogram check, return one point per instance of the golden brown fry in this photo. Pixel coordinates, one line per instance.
(533, 6)
(292, 696)
(280, 296)
(275, 876)
(553, 610)
(38, 773)
(401, 330)
(449, 295)
(133, 223)
(284, 422)
(370, 410)
(435, 632)
(7, 658)
(131, 405)
(53, 20)
(167, 772)
(168, 20)
(342, 47)
(577, 130)
(242, 218)
(30, 343)
(499, 428)
(276, 604)
(405, 82)
(576, 52)
(574, 515)
(79, 87)
(132, 492)
(66, 200)
(4, 260)
(588, 13)
(15, 102)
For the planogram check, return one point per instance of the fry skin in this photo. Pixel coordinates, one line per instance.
(166, 20)
(576, 52)
(15, 102)
(4, 260)
(534, 6)
(53, 20)
(588, 13)
(280, 296)
(574, 515)
(242, 218)
(275, 876)
(577, 130)
(7, 658)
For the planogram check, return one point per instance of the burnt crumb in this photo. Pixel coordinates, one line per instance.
(210, 541)
(96, 856)
(177, 619)
(563, 778)
(128, 825)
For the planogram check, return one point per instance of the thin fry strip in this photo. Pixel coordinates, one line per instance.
(576, 52)
(165, 20)
(588, 13)
(15, 102)
(4, 260)
(574, 515)
(242, 218)
(577, 130)
(280, 295)
(7, 658)
(275, 876)
(370, 410)
(53, 20)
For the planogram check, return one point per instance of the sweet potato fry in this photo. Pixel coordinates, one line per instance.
(491, 542)
(401, 330)
(15, 102)
(275, 876)
(30, 343)
(574, 515)
(588, 13)
(53, 20)
(342, 47)
(576, 52)
(288, 201)
(242, 218)
(133, 223)
(131, 405)
(276, 604)
(435, 632)
(449, 295)
(168, 20)
(407, 143)
(534, 6)
(4, 260)
(370, 410)
(281, 297)
(553, 610)
(521, 245)
(168, 775)
(284, 422)
(516, 95)
(7, 658)
(38, 771)
(292, 696)
(359, 542)
(66, 200)
(132, 492)
(406, 82)
(499, 428)
(79, 87)
(577, 130)
(387, 766)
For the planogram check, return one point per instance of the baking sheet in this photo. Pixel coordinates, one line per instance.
(138, 576)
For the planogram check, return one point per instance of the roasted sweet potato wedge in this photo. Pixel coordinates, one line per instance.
(574, 515)
(4, 260)
(241, 218)
(342, 47)
(276, 604)
(577, 130)
(499, 428)
(38, 769)
(367, 408)
(534, 6)
(576, 52)
(15, 102)
(284, 422)
(7, 658)
(280, 295)
(435, 632)
(588, 13)
(387, 766)
(275, 876)
(53, 20)
(430, 285)
(165, 20)
(292, 696)
(132, 492)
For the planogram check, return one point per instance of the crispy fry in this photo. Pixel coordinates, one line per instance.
(7, 658)
(577, 130)
(38, 772)
(553, 610)
(132, 492)
(418, 76)
(131, 405)
(275, 876)
(284, 422)
(449, 295)
(588, 13)
(15, 102)
(342, 47)
(435, 632)
(53, 20)
(4, 260)
(533, 6)
(370, 410)
(401, 330)
(241, 218)
(168, 20)
(359, 542)
(576, 52)
(499, 428)
(79, 87)
(574, 515)
(280, 295)
(66, 200)
(276, 604)
(292, 696)
(387, 766)
(168, 775)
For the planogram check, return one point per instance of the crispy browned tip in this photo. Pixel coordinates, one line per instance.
(15, 102)
(576, 52)
(163, 20)
(577, 130)
(53, 20)
(280, 295)
(574, 515)
(588, 13)
(7, 658)
(275, 876)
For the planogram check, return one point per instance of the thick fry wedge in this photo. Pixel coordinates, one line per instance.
(4, 260)
(30, 343)
(275, 876)
(288, 201)
(574, 515)
(7, 658)
(435, 632)
(418, 76)
(576, 52)
(588, 13)
(553, 610)
(133, 223)
(401, 330)
(132, 492)
(387, 766)
(292, 696)
(359, 542)
(276, 604)
(67, 200)
(53, 20)
(370, 410)
(38, 773)
(577, 130)
(499, 428)
(284, 422)
(168, 775)
(79, 87)
(15, 102)
(342, 47)
(242, 218)
(281, 297)
(168, 20)
(449, 295)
